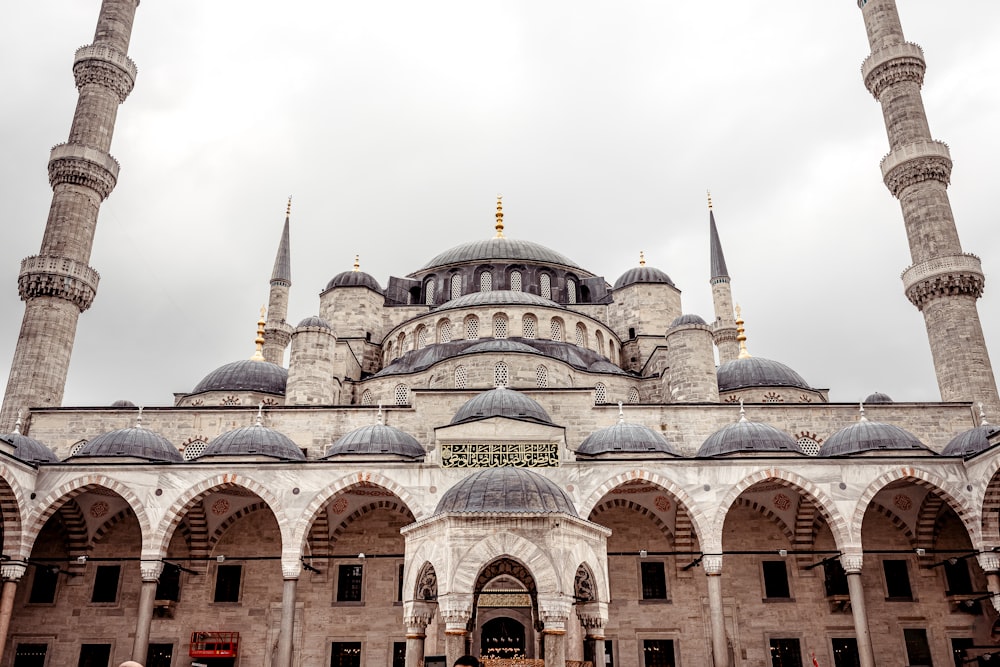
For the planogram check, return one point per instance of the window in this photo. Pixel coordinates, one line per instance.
(528, 326)
(75, 449)
(461, 377)
(570, 291)
(402, 394)
(515, 281)
(227, 583)
(600, 342)
(485, 282)
(809, 446)
(835, 578)
(500, 326)
(845, 652)
(421, 338)
(654, 581)
(429, 293)
(30, 655)
(159, 655)
(633, 395)
(501, 375)
(399, 654)
(349, 579)
(106, 584)
(581, 335)
(918, 649)
(194, 449)
(775, 580)
(545, 286)
(897, 580)
(658, 653)
(345, 654)
(960, 650)
(556, 331)
(94, 655)
(541, 377)
(456, 286)
(43, 585)
(785, 653)
(366, 397)
(168, 586)
(956, 574)
(600, 394)
(444, 332)
(471, 328)
(399, 582)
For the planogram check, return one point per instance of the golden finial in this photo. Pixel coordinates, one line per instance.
(642, 258)
(259, 354)
(357, 263)
(741, 336)
(499, 224)
(709, 199)
(288, 209)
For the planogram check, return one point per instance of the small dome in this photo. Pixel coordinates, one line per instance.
(246, 375)
(376, 439)
(757, 372)
(123, 404)
(746, 437)
(29, 450)
(498, 248)
(626, 439)
(132, 442)
(500, 345)
(877, 397)
(315, 321)
(354, 279)
(868, 436)
(501, 402)
(971, 442)
(643, 274)
(506, 490)
(254, 441)
(498, 298)
(687, 319)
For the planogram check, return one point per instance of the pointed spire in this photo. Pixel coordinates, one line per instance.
(259, 341)
(499, 224)
(282, 272)
(741, 336)
(357, 263)
(718, 260)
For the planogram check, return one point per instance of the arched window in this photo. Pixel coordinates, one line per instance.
(501, 375)
(809, 446)
(500, 326)
(570, 291)
(515, 281)
(421, 337)
(541, 376)
(402, 394)
(556, 330)
(456, 286)
(600, 394)
(401, 344)
(388, 352)
(485, 281)
(600, 341)
(471, 327)
(366, 397)
(461, 377)
(633, 395)
(194, 449)
(444, 331)
(77, 446)
(581, 334)
(429, 293)
(545, 286)
(529, 326)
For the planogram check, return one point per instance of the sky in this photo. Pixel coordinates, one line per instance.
(394, 124)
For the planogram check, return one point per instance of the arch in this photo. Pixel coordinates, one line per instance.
(485, 281)
(894, 519)
(581, 335)
(927, 526)
(989, 506)
(111, 523)
(388, 505)
(401, 394)
(11, 502)
(77, 534)
(367, 398)
(557, 331)
(426, 587)
(510, 546)
(429, 284)
(420, 336)
(541, 376)
(221, 529)
(195, 530)
(471, 323)
(461, 377)
(545, 286)
(444, 331)
(767, 513)
(633, 395)
(570, 291)
(622, 503)
(515, 281)
(599, 337)
(584, 587)
(600, 393)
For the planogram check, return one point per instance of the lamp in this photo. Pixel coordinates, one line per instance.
(643, 553)
(81, 559)
(220, 558)
(783, 552)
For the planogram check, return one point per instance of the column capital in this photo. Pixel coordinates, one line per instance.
(12, 570)
(150, 569)
(291, 569)
(989, 561)
(712, 564)
(417, 615)
(554, 611)
(593, 617)
(852, 560)
(456, 610)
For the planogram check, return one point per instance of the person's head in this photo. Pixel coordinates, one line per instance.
(467, 661)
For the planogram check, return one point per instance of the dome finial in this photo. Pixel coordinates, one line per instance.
(709, 199)
(499, 224)
(17, 424)
(982, 416)
(621, 413)
(357, 263)
(743, 412)
(642, 258)
(288, 209)
(861, 411)
(138, 418)
(741, 336)
(260, 414)
(380, 416)
(259, 341)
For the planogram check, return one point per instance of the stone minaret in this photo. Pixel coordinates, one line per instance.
(943, 282)
(278, 332)
(724, 327)
(57, 284)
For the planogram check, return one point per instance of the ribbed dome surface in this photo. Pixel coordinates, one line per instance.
(315, 321)
(131, 442)
(376, 439)
(505, 490)
(254, 441)
(627, 439)
(758, 372)
(493, 249)
(501, 402)
(500, 345)
(643, 274)
(877, 397)
(122, 403)
(30, 450)
(868, 436)
(246, 375)
(971, 442)
(354, 279)
(687, 319)
(748, 437)
(498, 298)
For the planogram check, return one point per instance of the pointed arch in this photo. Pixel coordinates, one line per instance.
(768, 514)
(230, 520)
(641, 510)
(426, 587)
(989, 506)
(11, 502)
(387, 505)
(513, 547)
(77, 534)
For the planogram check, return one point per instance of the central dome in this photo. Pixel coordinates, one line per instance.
(506, 490)
(499, 248)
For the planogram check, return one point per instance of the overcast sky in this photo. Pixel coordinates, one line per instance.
(395, 123)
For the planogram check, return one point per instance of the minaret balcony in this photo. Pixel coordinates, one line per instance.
(59, 277)
(893, 64)
(943, 276)
(915, 163)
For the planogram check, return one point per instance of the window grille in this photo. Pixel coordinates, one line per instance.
(472, 328)
(500, 326)
(528, 326)
(461, 377)
(366, 397)
(600, 394)
(501, 375)
(422, 338)
(429, 293)
(456, 286)
(194, 449)
(545, 285)
(444, 332)
(485, 282)
(515, 281)
(809, 446)
(581, 335)
(633, 395)
(556, 331)
(542, 376)
(600, 341)
(75, 449)
(570, 291)
(402, 395)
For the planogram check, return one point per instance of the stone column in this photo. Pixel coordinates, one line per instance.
(990, 562)
(554, 612)
(11, 572)
(456, 610)
(150, 570)
(594, 617)
(290, 571)
(720, 643)
(416, 615)
(852, 563)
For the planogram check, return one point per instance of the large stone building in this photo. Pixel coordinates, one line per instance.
(502, 453)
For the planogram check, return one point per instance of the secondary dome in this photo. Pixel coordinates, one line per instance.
(315, 321)
(757, 372)
(354, 279)
(505, 490)
(971, 442)
(502, 402)
(122, 403)
(498, 248)
(246, 375)
(687, 319)
(643, 274)
(376, 439)
(498, 298)
(877, 397)
(747, 437)
(625, 439)
(28, 449)
(132, 442)
(869, 436)
(254, 440)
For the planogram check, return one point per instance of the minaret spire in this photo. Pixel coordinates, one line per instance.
(277, 332)
(724, 327)
(57, 284)
(944, 282)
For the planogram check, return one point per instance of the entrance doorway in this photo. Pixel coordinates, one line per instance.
(502, 637)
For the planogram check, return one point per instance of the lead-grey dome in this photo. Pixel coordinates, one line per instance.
(687, 319)
(254, 440)
(246, 375)
(132, 442)
(971, 442)
(869, 436)
(498, 248)
(747, 437)
(123, 403)
(758, 372)
(505, 490)
(376, 439)
(315, 321)
(643, 274)
(29, 450)
(498, 298)
(878, 397)
(625, 439)
(500, 345)
(502, 402)
(354, 279)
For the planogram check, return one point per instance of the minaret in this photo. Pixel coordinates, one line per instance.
(57, 284)
(278, 333)
(724, 327)
(943, 282)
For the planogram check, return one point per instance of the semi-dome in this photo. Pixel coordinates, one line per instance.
(500, 345)
(499, 249)
(246, 375)
(255, 440)
(505, 490)
(747, 437)
(971, 442)
(757, 372)
(354, 279)
(869, 436)
(28, 449)
(877, 397)
(643, 274)
(498, 298)
(376, 439)
(501, 402)
(135, 442)
(687, 319)
(315, 321)
(625, 438)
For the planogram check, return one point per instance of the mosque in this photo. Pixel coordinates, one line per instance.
(501, 453)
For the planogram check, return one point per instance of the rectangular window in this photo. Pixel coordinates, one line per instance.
(399, 654)
(897, 580)
(776, 580)
(227, 583)
(956, 574)
(399, 583)
(349, 578)
(785, 653)
(159, 655)
(960, 650)
(918, 649)
(345, 654)
(658, 653)
(43, 585)
(835, 578)
(30, 655)
(94, 655)
(168, 587)
(106, 585)
(845, 652)
(654, 581)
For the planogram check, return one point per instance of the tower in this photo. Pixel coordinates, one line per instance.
(724, 327)
(278, 333)
(943, 282)
(57, 284)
